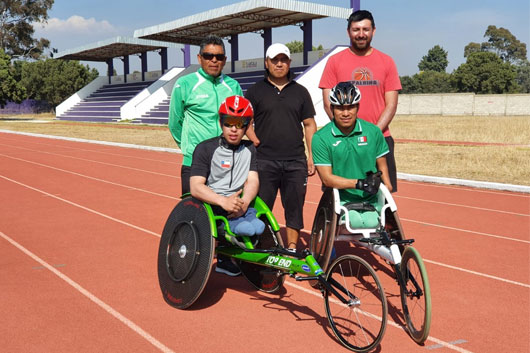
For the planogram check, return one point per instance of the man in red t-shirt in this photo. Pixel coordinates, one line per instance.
(375, 74)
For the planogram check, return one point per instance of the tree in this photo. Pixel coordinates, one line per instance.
(433, 82)
(523, 76)
(503, 42)
(297, 46)
(16, 26)
(427, 82)
(435, 60)
(485, 72)
(408, 85)
(54, 80)
(471, 48)
(10, 90)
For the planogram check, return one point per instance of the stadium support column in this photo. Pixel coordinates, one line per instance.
(163, 59)
(267, 39)
(143, 58)
(308, 38)
(110, 69)
(187, 55)
(234, 50)
(125, 67)
(355, 5)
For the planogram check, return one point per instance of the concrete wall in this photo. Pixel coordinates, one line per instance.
(464, 104)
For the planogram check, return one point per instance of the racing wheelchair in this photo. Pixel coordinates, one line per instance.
(354, 299)
(332, 223)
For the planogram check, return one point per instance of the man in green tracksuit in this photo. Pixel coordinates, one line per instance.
(195, 102)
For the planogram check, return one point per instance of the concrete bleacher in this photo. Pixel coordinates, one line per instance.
(104, 104)
(160, 113)
(147, 102)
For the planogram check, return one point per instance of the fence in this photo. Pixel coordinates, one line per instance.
(464, 104)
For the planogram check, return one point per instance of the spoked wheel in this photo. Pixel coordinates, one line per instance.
(360, 324)
(416, 296)
(185, 254)
(264, 278)
(323, 231)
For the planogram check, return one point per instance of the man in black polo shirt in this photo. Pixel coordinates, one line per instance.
(281, 108)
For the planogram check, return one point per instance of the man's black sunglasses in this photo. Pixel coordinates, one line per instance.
(210, 56)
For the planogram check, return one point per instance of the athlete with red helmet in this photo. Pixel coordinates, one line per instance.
(224, 174)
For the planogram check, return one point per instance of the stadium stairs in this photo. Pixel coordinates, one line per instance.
(104, 104)
(147, 102)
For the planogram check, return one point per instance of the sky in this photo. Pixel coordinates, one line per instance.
(405, 29)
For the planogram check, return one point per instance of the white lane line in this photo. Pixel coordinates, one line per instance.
(137, 329)
(92, 178)
(82, 207)
(158, 235)
(97, 142)
(466, 231)
(308, 202)
(465, 206)
(390, 322)
(467, 188)
(427, 181)
(94, 161)
(478, 273)
(459, 268)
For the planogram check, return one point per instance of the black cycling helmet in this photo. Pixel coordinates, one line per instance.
(344, 93)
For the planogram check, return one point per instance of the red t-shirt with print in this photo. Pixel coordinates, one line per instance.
(374, 74)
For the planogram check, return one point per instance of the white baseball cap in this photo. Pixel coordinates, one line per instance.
(276, 49)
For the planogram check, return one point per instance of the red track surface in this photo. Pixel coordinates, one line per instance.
(79, 227)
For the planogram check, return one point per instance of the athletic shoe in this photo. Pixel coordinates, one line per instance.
(227, 267)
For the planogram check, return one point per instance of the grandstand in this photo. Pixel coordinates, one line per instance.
(144, 97)
(104, 104)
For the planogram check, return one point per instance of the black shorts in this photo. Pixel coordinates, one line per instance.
(391, 163)
(290, 177)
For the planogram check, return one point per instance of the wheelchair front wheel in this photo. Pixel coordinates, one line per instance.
(360, 324)
(416, 295)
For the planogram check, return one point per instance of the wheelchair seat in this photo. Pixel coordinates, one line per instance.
(223, 231)
(363, 217)
(342, 221)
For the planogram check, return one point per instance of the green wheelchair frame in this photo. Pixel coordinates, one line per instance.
(354, 298)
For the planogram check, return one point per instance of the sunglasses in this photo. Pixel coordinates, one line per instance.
(230, 121)
(210, 56)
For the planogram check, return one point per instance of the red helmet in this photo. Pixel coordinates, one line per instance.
(236, 107)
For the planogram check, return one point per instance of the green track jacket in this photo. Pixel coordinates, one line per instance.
(193, 109)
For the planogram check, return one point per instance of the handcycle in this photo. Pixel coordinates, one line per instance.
(355, 301)
(387, 239)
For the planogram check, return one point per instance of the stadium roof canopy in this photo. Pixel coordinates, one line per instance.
(112, 48)
(244, 17)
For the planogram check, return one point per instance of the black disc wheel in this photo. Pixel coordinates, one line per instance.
(360, 323)
(185, 254)
(264, 278)
(416, 295)
(323, 230)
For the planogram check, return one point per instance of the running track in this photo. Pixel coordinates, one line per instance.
(79, 233)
